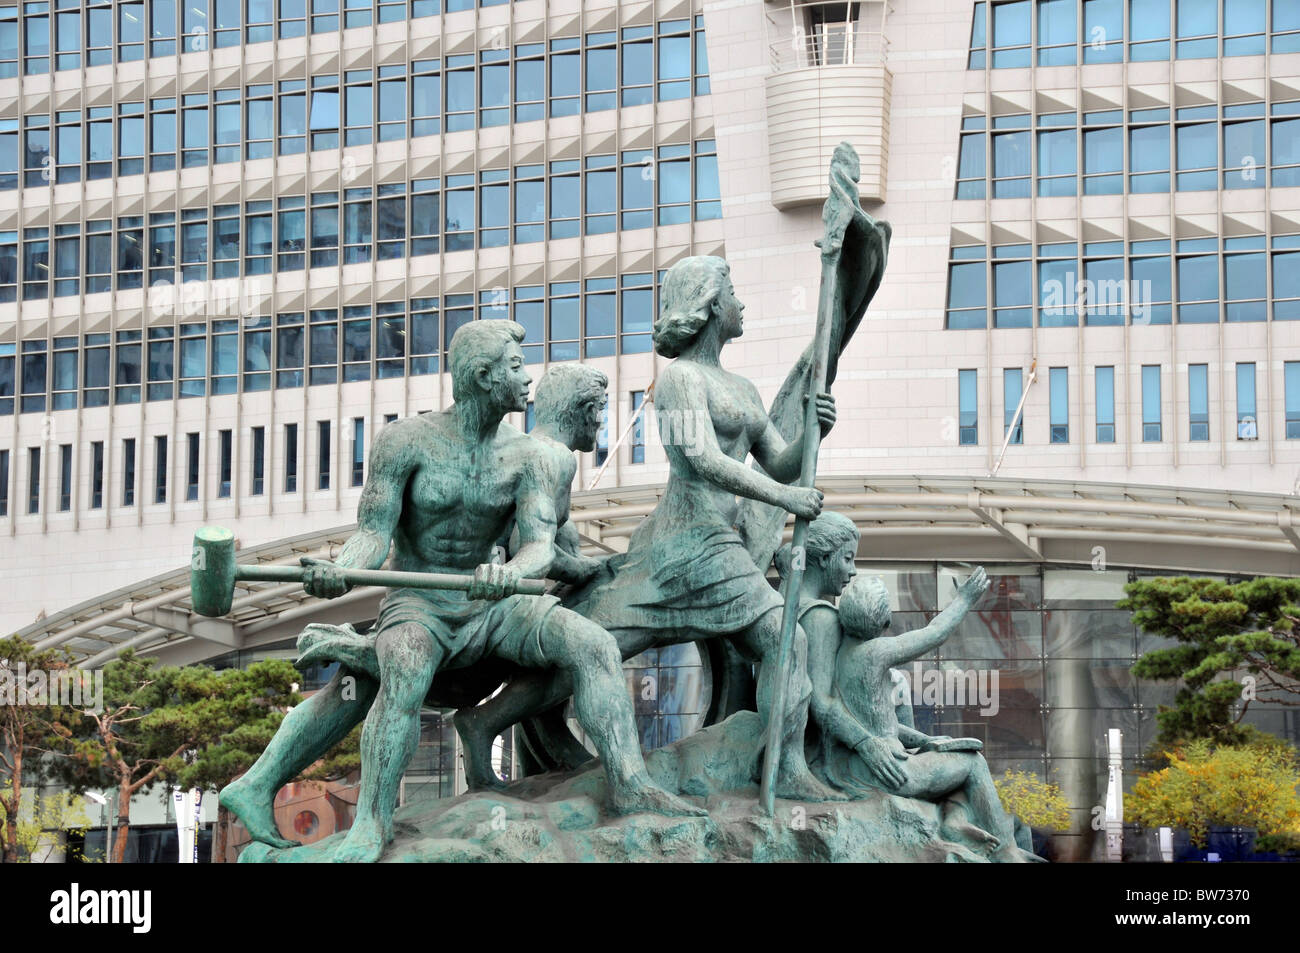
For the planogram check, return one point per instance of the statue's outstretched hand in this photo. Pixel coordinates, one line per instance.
(323, 579)
(973, 589)
(494, 581)
(882, 760)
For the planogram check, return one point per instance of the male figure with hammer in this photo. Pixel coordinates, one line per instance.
(441, 491)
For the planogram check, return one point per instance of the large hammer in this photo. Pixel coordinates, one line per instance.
(213, 573)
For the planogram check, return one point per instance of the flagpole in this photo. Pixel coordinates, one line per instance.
(830, 247)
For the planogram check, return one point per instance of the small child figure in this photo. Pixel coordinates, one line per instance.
(863, 680)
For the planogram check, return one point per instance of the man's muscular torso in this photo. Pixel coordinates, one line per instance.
(459, 497)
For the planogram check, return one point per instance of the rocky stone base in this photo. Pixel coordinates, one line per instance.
(560, 817)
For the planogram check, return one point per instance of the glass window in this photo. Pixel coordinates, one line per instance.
(191, 467)
(291, 458)
(1198, 402)
(1291, 380)
(494, 88)
(97, 474)
(978, 37)
(565, 199)
(1058, 283)
(34, 480)
(128, 472)
(1244, 25)
(1243, 154)
(1198, 289)
(1198, 156)
(1149, 158)
(1105, 384)
(1198, 29)
(1057, 32)
(1012, 157)
(1059, 410)
(160, 469)
(566, 76)
(600, 192)
(426, 217)
(65, 477)
(225, 357)
(358, 451)
(426, 97)
(967, 302)
(460, 92)
(322, 455)
(1151, 403)
(258, 483)
(530, 82)
(225, 441)
(1012, 388)
(601, 72)
(1013, 294)
(967, 407)
(323, 351)
(971, 166)
(1244, 286)
(1247, 426)
(459, 213)
(1148, 30)
(1011, 34)
(1057, 161)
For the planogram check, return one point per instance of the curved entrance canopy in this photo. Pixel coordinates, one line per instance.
(902, 518)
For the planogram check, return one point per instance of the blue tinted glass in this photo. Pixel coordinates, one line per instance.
(1244, 277)
(674, 182)
(1286, 275)
(1197, 17)
(1156, 272)
(1056, 22)
(1011, 155)
(1245, 390)
(1198, 390)
(1012, 284)
(1105, 395)
(1149, 149)
(1198, 278)
(971, 163)
(1149, 20)
(1198, 146)
(1103, 150)
(601, 69)
(1057, 151)
(1059, 383)
(1243, 144)
(1011, 24)
(325, 110)
(967, 396)
(966, 285)
(1151, 394)
(1292, 389)
(674, 57)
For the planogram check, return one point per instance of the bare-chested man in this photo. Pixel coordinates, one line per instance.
(441, 491)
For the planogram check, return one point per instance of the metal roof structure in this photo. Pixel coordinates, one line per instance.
(902, 519)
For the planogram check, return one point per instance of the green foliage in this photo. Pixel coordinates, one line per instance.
(27, 734)
(1222, 629)
(1204, 786)
(1033, 800)
(62, 810)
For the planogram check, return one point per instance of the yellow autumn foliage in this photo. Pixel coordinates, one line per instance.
(1202, 787)
(1033, 800)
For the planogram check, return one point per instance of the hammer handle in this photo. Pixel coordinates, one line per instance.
(382, 577)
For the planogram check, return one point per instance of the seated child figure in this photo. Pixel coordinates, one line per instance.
(864, 682)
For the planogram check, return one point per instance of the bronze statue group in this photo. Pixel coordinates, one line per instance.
(447, 490)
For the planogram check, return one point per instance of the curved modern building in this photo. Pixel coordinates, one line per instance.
(236, 237)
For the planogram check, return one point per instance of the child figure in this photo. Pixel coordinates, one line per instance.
(863, 681)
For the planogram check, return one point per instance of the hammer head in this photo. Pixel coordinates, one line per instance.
(212, 571)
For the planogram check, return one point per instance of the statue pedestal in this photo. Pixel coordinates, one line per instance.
(559, 817)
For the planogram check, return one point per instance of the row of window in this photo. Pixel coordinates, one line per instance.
(1020, 33)
(72, 34)
(357, 107)
(1197, 151)
(130, 463)
(1058, 385)
(1196, 280)
(595, 318)
(600, 194)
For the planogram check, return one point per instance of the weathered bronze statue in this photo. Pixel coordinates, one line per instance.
(447, 491)
(441, 492)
